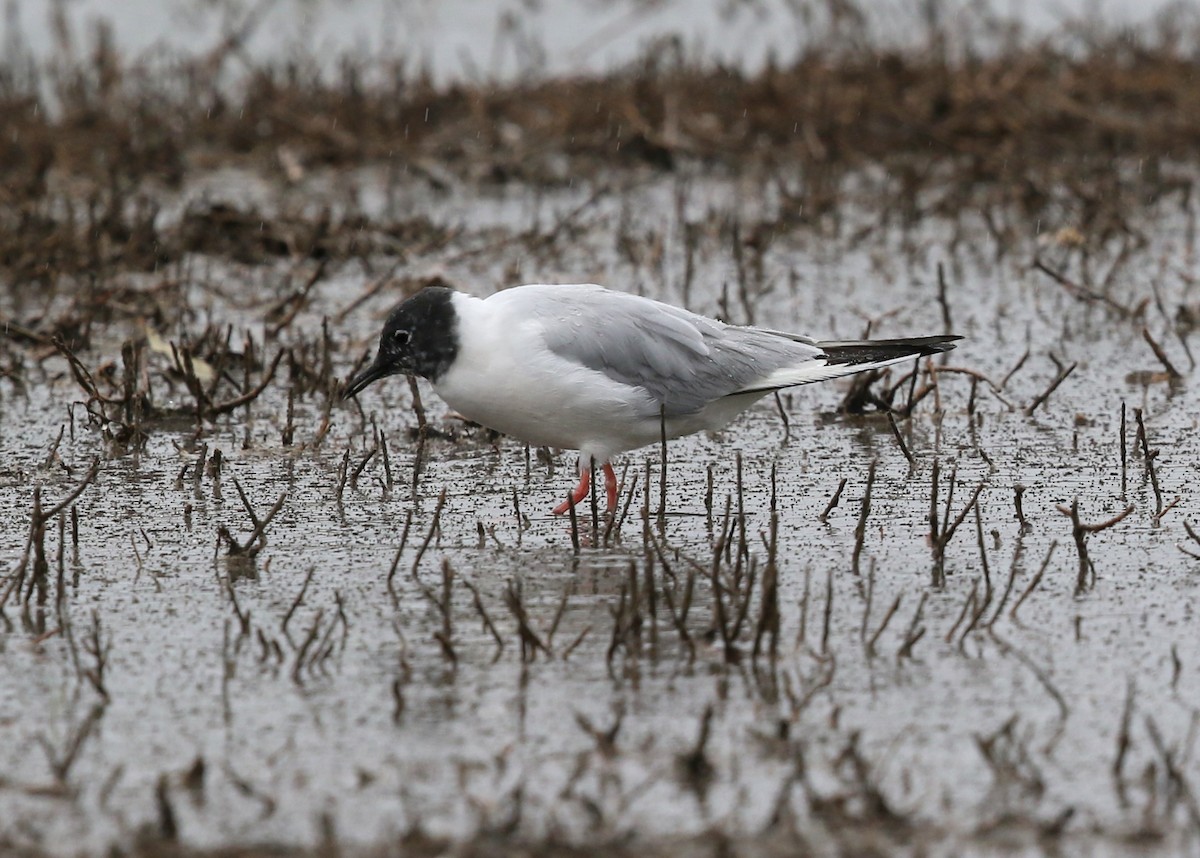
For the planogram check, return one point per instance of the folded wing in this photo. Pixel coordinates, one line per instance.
(685, 361)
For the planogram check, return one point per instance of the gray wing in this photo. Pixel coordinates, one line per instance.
(682, 360)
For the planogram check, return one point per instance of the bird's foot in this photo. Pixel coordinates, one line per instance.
(585, 484)
(610, 486)
(580, 492)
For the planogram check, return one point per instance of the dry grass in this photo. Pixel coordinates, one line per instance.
(1083, 123)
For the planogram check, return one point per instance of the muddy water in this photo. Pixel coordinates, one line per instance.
(234, 711)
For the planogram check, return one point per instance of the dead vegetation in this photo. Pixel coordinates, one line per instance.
(1013, 128)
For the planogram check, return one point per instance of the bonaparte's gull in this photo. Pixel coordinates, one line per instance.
(585, 368)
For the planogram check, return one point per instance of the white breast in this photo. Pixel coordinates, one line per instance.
(505, 378)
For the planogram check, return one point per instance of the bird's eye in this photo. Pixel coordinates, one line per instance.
(401, 337)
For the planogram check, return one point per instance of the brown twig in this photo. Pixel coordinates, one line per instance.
(1045, 394)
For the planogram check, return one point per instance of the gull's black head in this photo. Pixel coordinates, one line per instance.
(420, 337)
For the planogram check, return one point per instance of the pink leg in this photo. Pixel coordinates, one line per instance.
(610, 486)
(581, 491)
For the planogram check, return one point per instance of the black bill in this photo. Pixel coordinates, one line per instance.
(371, 374)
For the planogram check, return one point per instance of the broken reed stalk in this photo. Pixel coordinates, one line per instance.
(679, 613)
(422, 432)
(1187, 525)
(1018, 551)
(867, 601)
(720, 620)
(941, 534)
(1080, 531)
(326, 645)
(968, 604)
(1045, 394)
(594, 507)
(887, 618)
(1018, 495)
(912, 398)
(650, 588)
(198, 470)
(743, 547)
(531, 642)
(1124, 457)
(82, 376)
(768, 616)
(987, 576)
(827, 618)
(73, 495)
(833, 502)
(445, 636)
(616, 522)
(358, 469)
(1080, 535)
(1081, 292)
(783, 415)
(860, 530)
(558, 615)
(488, 625)
(696, 769)
(75, 534)
(708, 500)
(1033, 583)
(387, 461)
(433, 528)
(213, 470)
(627, 621)
(257, 541)
(61, 763)
(343, 475)
(289, 427)
(1123, 742)
(900, 439)
(662, 474)
(574, 517)
(517, 514)
(934, 371)
(1020, 363)
(418, 408)
(579, 638)
(802, 625)
(1172, 373)
(60, 587)
(1148, 456)
(646, 506)
(976, 615)
(915, 630)
(947, 326)
(35, 538)
(391, 576)
(210, 410)
(287, 618)
(302, 653)
(1177, 780)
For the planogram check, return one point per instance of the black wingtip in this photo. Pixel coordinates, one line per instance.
(875, 351)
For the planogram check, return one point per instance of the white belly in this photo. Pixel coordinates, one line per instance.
(572, 408)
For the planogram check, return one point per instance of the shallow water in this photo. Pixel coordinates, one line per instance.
(384, 733)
